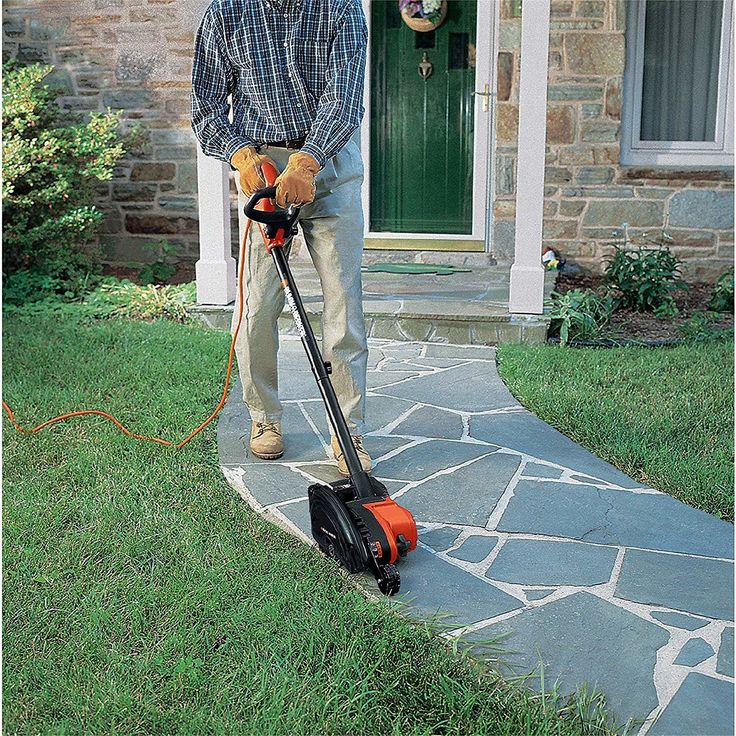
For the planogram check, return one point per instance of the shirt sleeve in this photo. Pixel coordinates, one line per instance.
(340, 107)
(213, 79)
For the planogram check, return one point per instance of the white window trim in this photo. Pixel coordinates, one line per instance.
(718, 153)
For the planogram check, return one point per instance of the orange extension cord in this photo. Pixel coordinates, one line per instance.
(120, 425)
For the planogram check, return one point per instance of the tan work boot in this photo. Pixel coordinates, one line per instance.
(363, 456)
(266, 441)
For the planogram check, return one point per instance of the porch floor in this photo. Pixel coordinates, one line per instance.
(465, 307)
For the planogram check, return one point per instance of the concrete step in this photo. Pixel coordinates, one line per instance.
(468, 308)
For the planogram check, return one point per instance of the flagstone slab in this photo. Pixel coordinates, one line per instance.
(680, 620)
(526, 433)
(379, 380)
(536, 594)
(440, 539)
(724, 663)
(475, 548)
(536, 562)
(649, 521)
(583, 639)
(694, 652)
(467, 496)
(432, 588)
(475, 387)
(429, 422)
(537, 470)
(421, 461)
(691, 584)
(711, 716)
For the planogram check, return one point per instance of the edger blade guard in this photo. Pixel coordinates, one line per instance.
(353, 520)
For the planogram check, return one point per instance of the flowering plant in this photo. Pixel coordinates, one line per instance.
(429, 9)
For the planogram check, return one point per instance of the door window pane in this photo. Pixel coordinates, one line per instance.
(682, 43)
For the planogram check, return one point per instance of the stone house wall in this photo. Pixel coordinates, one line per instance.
(135, 55)
(588, 194)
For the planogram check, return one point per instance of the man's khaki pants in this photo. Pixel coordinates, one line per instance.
(333, 231)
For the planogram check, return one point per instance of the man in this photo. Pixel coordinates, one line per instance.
(295, 71)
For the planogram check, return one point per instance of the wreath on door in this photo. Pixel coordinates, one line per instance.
(423, 15)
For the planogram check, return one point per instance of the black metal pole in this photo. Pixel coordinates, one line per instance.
(358, 476)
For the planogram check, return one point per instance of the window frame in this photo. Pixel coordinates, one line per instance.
(710, 154)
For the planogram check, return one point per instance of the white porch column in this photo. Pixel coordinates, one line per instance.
(527, 274)
(215, 269)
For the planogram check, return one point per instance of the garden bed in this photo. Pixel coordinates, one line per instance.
(627, 325)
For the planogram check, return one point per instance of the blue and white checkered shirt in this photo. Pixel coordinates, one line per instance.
(294, 68)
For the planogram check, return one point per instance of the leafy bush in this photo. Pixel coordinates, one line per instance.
(115, 298)
(580, 314)
(50, 171)
(721, 299)
(644, 277)
(160, 271)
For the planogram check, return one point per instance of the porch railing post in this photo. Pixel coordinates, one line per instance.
(526, 294)
(215, 269)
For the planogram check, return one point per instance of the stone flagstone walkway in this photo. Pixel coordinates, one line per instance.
(523, 533)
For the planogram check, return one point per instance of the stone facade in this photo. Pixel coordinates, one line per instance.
(588, 194)
(135, 56)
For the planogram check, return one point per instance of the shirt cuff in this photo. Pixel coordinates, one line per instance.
(236, 144)
(316, 153)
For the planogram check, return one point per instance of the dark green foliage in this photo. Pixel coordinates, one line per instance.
(722, 298)
(160, 271)
(49, 176)
(580, 314)
(644, 278)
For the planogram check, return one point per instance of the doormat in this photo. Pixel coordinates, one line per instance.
(436, 269)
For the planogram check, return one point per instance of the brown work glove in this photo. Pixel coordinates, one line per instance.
(295, 184)
(248, 162)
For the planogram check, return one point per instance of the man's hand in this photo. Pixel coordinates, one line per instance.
(248, 162)
(295, 185)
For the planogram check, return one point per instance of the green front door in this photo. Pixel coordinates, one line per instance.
(421, 162)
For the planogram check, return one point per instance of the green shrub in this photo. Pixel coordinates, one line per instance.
(721, 299)
(160, 271)
(645, 278)
(580, 314)
(50, 171)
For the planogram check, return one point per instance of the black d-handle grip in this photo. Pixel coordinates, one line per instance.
(283, 218)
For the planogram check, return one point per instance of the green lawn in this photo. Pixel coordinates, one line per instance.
(664, 415)
(141, 595)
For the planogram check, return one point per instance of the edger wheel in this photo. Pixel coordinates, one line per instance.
(390, 580)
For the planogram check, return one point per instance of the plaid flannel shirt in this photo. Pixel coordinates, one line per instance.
(294, 68)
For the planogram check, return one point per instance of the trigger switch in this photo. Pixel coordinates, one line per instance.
(328, 367)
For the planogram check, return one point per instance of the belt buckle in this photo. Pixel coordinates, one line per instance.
(291, 144)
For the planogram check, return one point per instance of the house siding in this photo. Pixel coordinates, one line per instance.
(588, 194)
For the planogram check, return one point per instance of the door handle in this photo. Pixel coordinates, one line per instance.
(486, 95)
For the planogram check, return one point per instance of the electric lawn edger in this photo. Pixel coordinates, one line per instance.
(353, 520)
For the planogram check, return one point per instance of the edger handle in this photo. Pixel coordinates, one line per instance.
(267, 213)
(285, 217)
(261, 207)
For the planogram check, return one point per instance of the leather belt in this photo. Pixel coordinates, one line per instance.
(291, 143)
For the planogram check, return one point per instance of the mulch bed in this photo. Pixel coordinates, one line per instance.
(626, 324)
